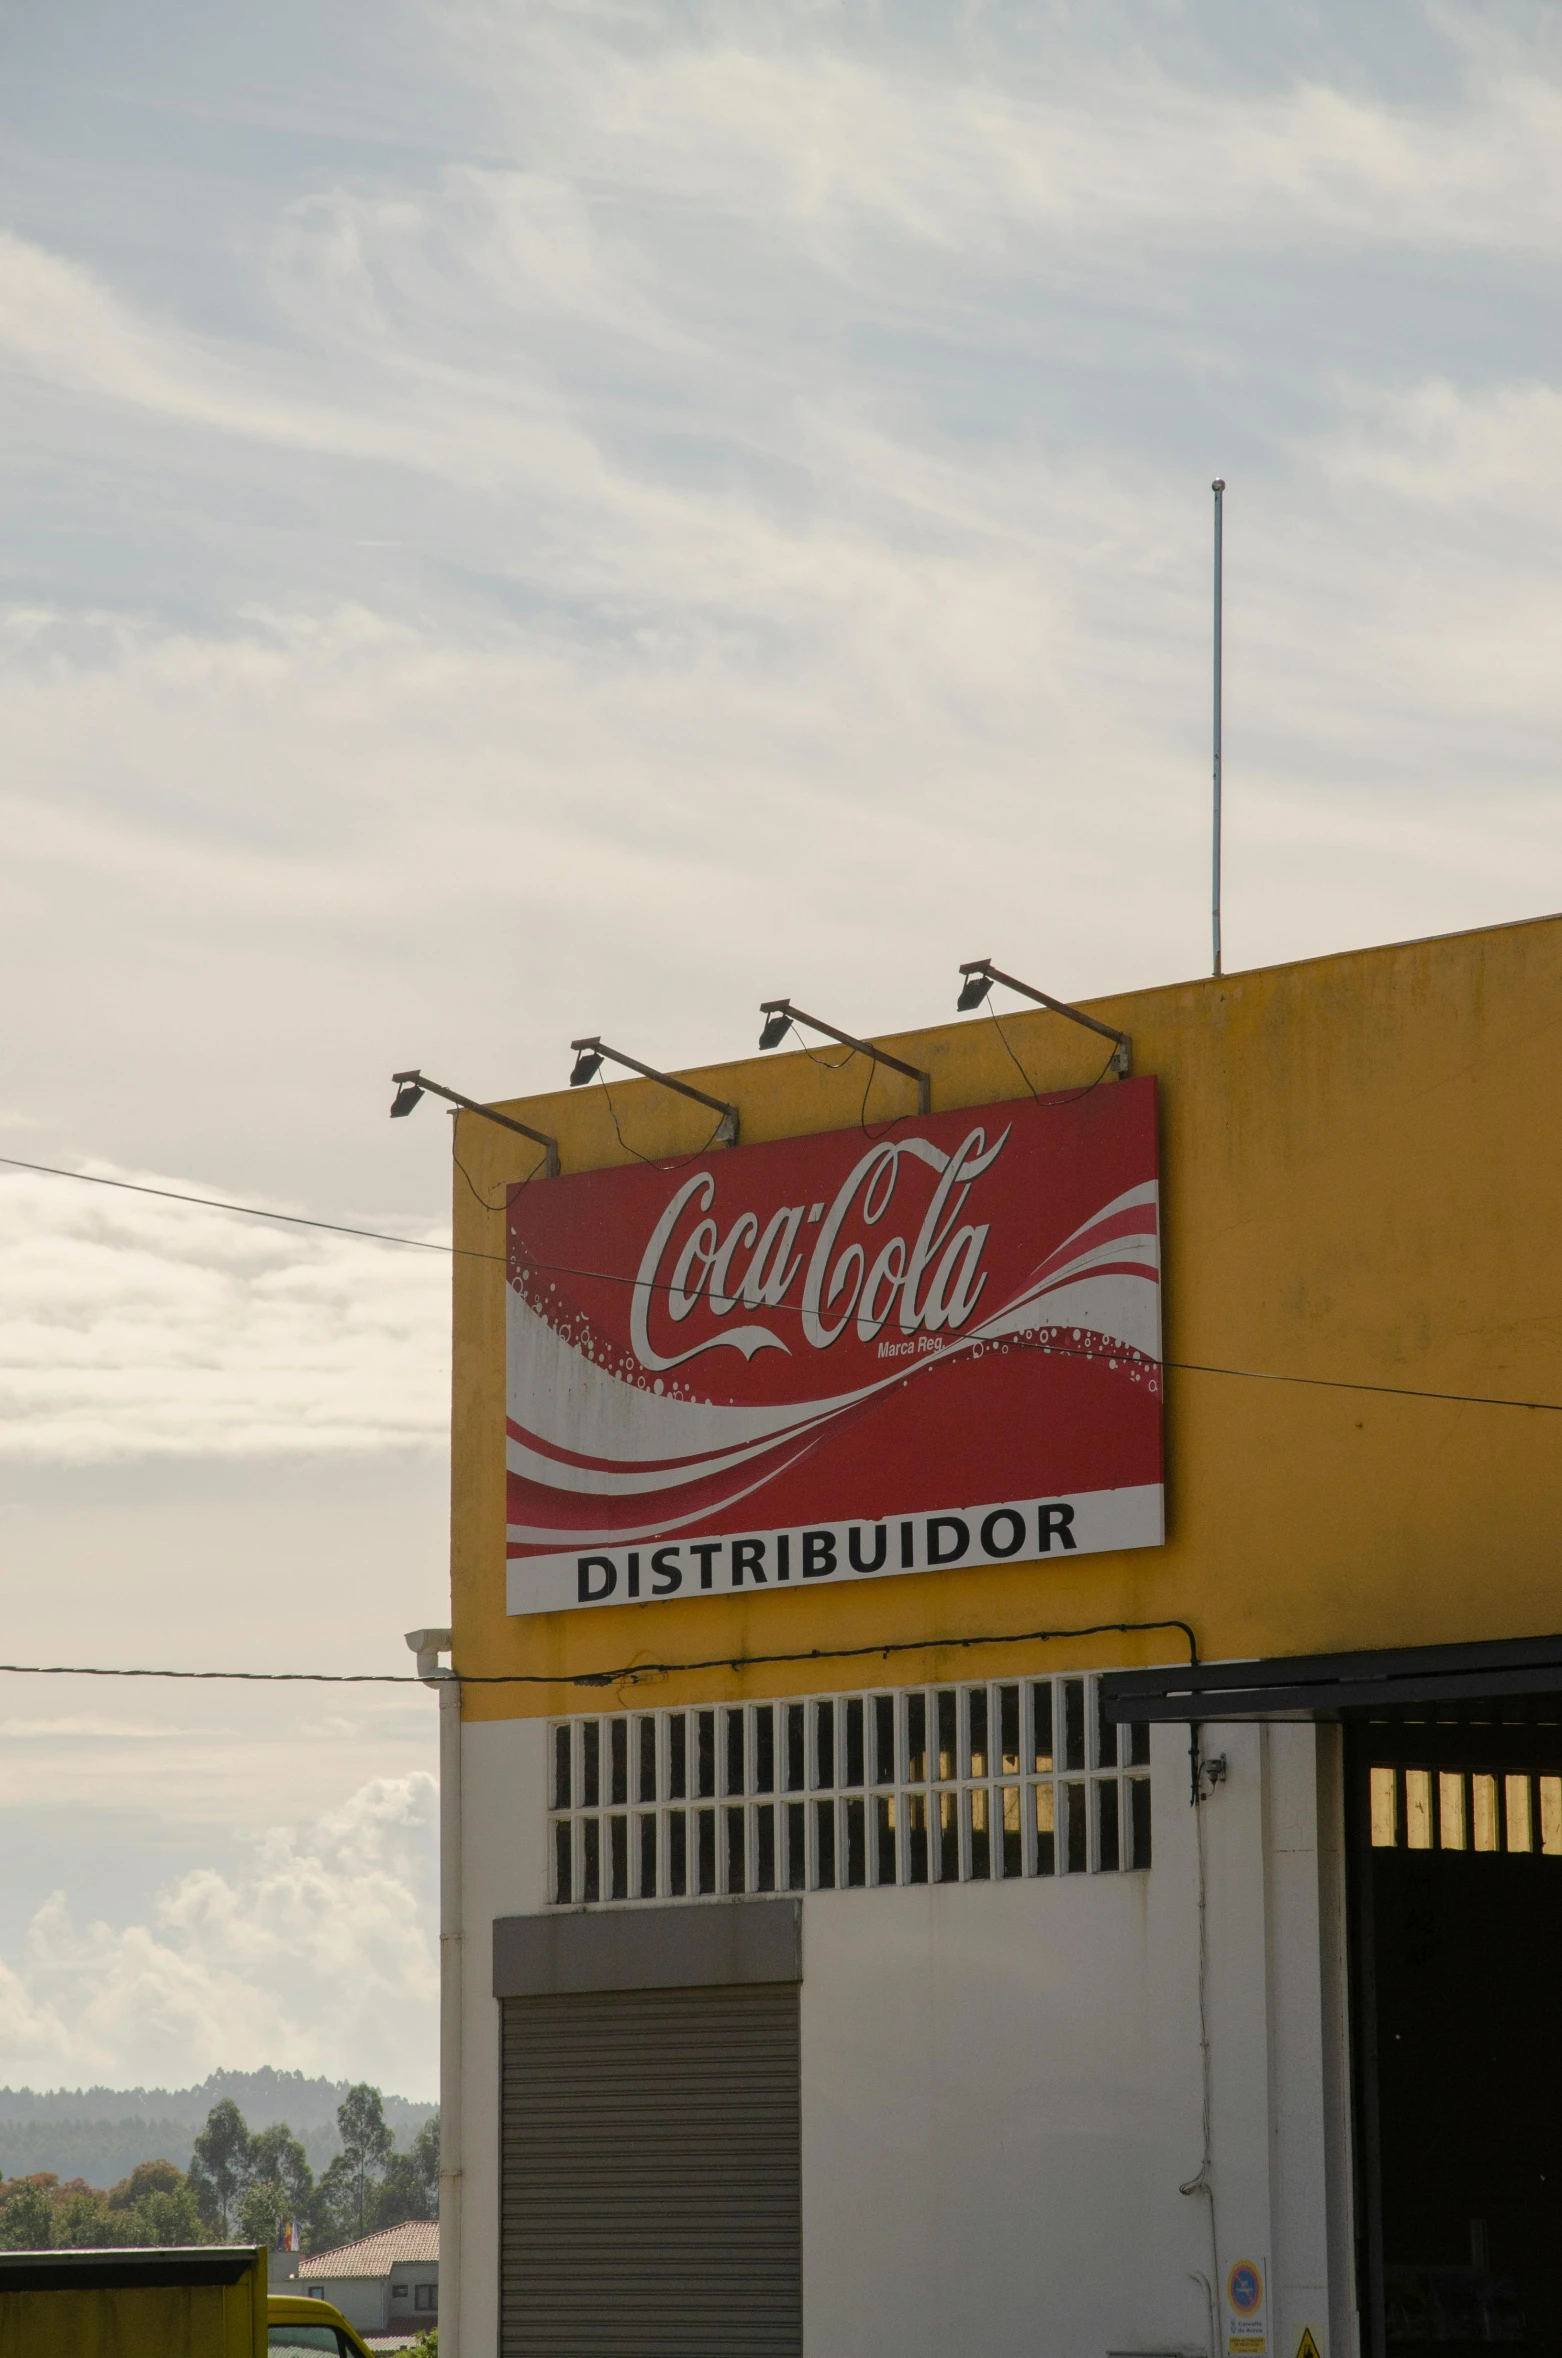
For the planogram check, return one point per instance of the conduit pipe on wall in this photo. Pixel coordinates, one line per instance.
(1205, 1775)
(428, 1645)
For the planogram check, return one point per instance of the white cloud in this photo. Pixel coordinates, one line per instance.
(1493, 447)
(130, 1326)
(1081, 144)
(587, 517)
(85, 1726)
(319, 1956)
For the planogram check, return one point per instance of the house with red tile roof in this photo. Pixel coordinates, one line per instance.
(384, 2284)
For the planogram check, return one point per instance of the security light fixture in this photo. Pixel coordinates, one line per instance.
(588, 1062)
(428, 1645)
(980, 975)
(412, 1087)
(780, 1016)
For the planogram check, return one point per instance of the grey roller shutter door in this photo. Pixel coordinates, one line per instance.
(652, 2175)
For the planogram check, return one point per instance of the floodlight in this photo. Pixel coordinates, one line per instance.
(780, 1016)
(412, 1087)
(428, 1645)
(588, 1062)
(980, 975)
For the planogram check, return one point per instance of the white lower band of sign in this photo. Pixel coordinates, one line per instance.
(956, 1538)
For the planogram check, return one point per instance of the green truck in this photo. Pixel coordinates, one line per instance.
(204, 2301)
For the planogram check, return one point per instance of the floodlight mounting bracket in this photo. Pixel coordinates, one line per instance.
(726, 1128)
(428, 1645)
(417, 1080)
(815, 1023)
(1122, 1062)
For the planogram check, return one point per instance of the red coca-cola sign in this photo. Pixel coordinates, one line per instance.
(835, 1358)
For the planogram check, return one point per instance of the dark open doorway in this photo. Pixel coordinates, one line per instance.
(1456, 1886)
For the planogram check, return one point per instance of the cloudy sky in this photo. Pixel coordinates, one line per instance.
(521, 520)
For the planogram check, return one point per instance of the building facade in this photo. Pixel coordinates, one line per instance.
(385, 2283)
(1053, 1843)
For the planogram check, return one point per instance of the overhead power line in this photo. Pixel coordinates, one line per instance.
(1252, 1375)
(611, 1678)
(217, 1203)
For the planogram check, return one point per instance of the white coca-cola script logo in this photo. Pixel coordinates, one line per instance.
(930, 1286)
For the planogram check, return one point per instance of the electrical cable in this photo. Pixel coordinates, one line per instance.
(477, 1194)
(651, 1161)
(1261, 1375)
(1203, 2180)
(1253, 1375)
(884, 1128)
(605, 1678)
(217, 1203)
(1051, 1096)
(313, 1678)
(1009, 1052)
(826, 1064)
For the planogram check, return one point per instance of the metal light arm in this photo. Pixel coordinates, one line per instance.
(924, 1081)
(414, 1085)
(727, 1132)
(1122, 1062)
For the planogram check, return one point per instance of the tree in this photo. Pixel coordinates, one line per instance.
(410, 2187)
(27, 2213)
(332, 2214)
(154, 2205)
(148, 2177)
(264, 2211)
(367, 2146)
(168, 2215)
(220, 2164)
(80, 2217)
(277, 2159)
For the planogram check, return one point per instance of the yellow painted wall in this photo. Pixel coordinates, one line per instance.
(1361, 1166)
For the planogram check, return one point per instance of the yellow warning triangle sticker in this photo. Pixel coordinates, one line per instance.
(1307, 2347)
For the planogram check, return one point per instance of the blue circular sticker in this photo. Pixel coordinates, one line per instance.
(1244, 2288)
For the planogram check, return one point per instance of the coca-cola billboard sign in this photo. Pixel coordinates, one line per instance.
(844, 1357)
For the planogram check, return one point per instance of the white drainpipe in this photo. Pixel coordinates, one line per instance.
(428, 1645)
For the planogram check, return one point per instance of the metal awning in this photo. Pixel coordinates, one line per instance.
(1328, 1686)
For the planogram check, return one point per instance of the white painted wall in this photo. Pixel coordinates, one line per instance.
(1000, 2098)
(1002, 2084)
(1299, 2243)
(361, 2300)
(1334, 1997)
(401, 2296)
(1277, 2031)
(504, 1812)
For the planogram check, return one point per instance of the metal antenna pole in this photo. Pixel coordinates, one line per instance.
(1218, 487)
